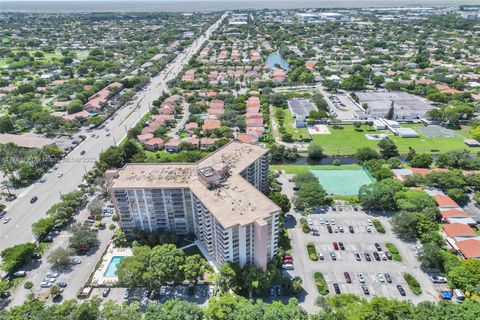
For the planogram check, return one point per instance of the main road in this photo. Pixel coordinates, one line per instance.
(75, 165)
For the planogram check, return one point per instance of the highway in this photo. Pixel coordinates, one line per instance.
(74, 166)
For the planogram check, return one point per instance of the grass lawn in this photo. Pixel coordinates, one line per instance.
(289, 124)
(296, 169)
(346, 141)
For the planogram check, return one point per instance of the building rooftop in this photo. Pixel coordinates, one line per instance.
(470, 248)
(236, 201)
(453, 230)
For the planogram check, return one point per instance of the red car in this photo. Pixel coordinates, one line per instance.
(287, 258)
(91, 218)
(335, 246)
(347, 277)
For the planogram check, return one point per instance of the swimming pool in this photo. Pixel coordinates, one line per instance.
(111, 271)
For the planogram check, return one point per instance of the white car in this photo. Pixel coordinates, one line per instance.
(288, 266)
(52, 274)
(383, 256)
(75, 261)
(7, 220)
(45, 284)
(59, 175)
(309, 221)
(108, 134)
(380, 277)
(361, 278)
(49, 279)
(369, 229)
(332, 222)
(335, 229)
(438, 279)
(321, 221)
(369, 222)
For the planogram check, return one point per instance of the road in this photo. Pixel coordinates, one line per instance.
(74, 166)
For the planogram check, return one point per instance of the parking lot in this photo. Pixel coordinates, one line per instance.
(359, 242)
(198, 294)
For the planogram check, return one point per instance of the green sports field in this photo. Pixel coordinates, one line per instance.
(343, 182)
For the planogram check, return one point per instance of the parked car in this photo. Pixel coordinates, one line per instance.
(357, 257)
(105, 292)
(320, 255)
(376, 256)
(126, 294)
(388, 278)
(329, 229)
(347, 277)
(336, 287)
(369, 230)
(35, 198)
(59, 175)
(7, 220)
(350, 228)
(45, 284)
(288, 266)
(52, 274)
(365, 289)
(401, 290)
(82, 152)
(333, 256)
(377, 245)
(20, 273)
(335, 246)
(367, 256)
(361, 277)
(49, 279)
(340, 228)
(62, 284)
(438, 279)
(75, 261)
(335, 229)
(341, 246)
(389, 255)
(37, 256)
(380, 277)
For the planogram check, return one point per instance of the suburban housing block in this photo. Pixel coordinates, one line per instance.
(219, 199)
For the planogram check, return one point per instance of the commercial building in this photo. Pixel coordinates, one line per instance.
(301, 109)
(219, 199)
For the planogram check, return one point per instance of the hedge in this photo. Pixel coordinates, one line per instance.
(305, 226)
(312, 253)
(321, 283)
(394, 251)
(413, 284)
(378, 226)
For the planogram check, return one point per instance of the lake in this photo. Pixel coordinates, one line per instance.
(276, 58)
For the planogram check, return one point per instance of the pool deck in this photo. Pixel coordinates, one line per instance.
(99, 278)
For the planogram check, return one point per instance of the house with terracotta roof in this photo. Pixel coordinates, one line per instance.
(142, 138)
(154, 144)
(469, 249)
(191, 126)
(453, 213)
(211, 124)
(246, 138)
(172, 145)
(458, 231)
(253, 102)
(444, 201)
(81, 115)
(206, 143)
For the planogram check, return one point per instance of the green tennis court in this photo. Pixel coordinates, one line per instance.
(343, 182)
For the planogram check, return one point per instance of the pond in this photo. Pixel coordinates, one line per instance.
(276, 58)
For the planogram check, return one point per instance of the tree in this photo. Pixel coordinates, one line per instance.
(54, 290)
(111, 158)
(306, 177)
(82, 238)
(431, 256)
(166, 263)
(16, 256)
(309, 195)
(421, 161)
(74, 106)
(391, 111)
(194, 267)
(173, 310)
(414, 200)
(315, 151)
(366, 153)
(6, 125)
(126, 311)
(96, 208)
(130, 270)
(380, 195)
(59, 257)
(281, 200)
(388, 148)
(404, 224)
(226, 278)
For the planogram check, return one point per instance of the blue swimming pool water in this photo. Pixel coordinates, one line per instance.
(111, 271)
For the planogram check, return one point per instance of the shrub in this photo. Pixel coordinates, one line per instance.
(28, 285)
(413, 283)
(321, 283)
(378, 226)
(312, 253)
(305, 226)
(394, 251)
(337, 162)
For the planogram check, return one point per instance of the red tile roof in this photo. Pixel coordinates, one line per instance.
(469, 248)
(458, 230)
(445, 201)
(453, 213)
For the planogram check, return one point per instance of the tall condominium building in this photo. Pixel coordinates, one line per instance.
(219, 199)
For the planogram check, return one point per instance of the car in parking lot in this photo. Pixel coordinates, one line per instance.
(329, 229)
(347, 277)
(288, 266)
(340, 228)
(388, 278)
(35, 198)
(438, 279)
(389, 255)
(335, 245)
(382, 255)
(52, 274)
(365, 289)
(82, 152)
(401, 290)
(341, 246)
(320, 255)
(351, 229)
(361, 277)
(332, 222)
(105, 292)
(322, 221)
(62, 284)
(369, 230)
(20, 273)
(49, 279)
(45, 284)
(333, 256)
(376, 255)
(377, 246)
(357, 257)
(380, 277)
(7, 220)
(335, 229)
(367, 256)
(369, 222)
(309, 221)
(75, 261)
(336, 287)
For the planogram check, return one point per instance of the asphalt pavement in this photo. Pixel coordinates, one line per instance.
(23, 213)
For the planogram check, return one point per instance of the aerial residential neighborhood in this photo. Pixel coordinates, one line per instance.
(239, 162)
